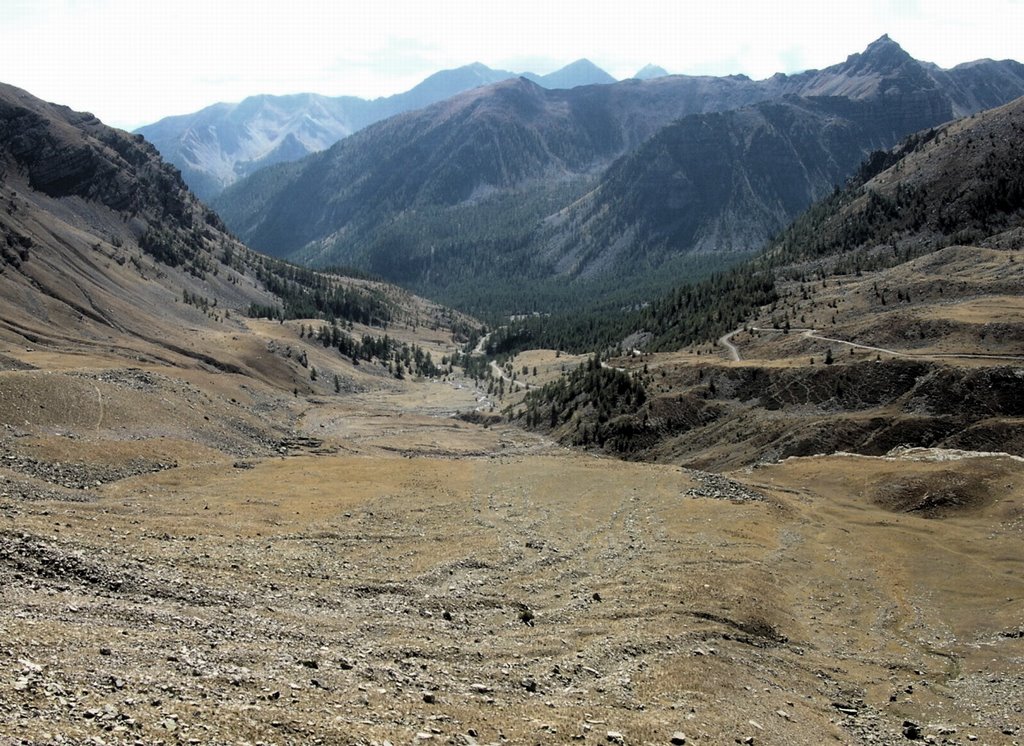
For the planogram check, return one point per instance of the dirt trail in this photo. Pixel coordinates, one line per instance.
(501, 374)
(726, 341)
(734, 353)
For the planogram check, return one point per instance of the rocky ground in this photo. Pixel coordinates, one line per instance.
(374, 569)
(215, 531)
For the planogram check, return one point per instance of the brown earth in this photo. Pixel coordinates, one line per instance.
(209, 559)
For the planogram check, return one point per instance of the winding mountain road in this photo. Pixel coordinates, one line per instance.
(499, 373)
(726, 341)
(734, 353)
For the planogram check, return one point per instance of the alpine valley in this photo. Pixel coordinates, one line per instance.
(513, 198)
(755, 475)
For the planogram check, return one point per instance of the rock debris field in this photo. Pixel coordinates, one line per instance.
(379, 571)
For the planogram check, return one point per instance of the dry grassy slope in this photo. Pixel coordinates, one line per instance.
(79, 291)
(929, 352)
(77, 199)
(105, 370)
(87, 289)
(103, 251)
(321, 595)
(82, 294)
(958, 300)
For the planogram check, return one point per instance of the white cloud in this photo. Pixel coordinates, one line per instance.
(132, 62)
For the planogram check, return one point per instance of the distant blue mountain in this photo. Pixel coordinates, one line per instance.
(573, 75)
(216, 146)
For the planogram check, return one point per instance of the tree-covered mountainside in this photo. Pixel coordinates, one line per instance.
(886, 316)
(722, 183)
(586, 405)
(959, 183)
(962, 182)
(512, 198)
(475, 147)
(695, 311)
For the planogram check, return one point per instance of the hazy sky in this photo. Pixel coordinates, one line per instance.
(131, 62)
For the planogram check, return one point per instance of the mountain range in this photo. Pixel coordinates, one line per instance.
(547, 194)
(242, 497)
(917, 205)
(218, 145)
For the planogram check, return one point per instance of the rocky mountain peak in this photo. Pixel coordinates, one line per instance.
(882, 56)
(580, 72)
(66, 153)
(650, 71)
(581, 64)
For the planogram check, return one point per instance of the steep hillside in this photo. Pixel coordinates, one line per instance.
(959, 183)
(516, 174)
(96, 228)
(889, 315)
(137, 335)
(719, 183)
(103, 250)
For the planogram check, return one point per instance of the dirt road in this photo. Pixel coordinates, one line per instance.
(734, 353)
(726, 341)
